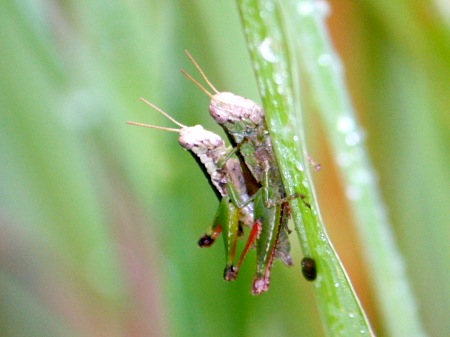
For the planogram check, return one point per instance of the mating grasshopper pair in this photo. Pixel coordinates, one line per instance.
(249, 165)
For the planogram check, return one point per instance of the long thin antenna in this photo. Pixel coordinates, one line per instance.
(154, 127)
(164, 113)
(201, 72)
(197, 83)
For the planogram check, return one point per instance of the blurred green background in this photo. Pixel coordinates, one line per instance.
(99, 220)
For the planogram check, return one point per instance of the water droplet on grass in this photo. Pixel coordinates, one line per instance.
(325, 60)
(267, 51)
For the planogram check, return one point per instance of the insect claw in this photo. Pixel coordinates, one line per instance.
(230, 273)
(206, 241)
(315, 165)
(260, 285)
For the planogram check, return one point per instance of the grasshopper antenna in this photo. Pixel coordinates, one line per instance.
(197, 83)
(201, 73)
(154, 127)
(163, 113)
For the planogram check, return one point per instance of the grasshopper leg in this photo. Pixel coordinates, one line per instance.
(211, 235)
(227, 217)
(231, 273)
(273, 243)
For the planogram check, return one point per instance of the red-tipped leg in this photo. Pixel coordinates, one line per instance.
(207, 239)
(231, 272)
(253, 236)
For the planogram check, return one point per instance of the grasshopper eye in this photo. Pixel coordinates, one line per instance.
(309, 269)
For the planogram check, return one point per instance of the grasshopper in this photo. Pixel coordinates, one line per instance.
(224, 173)
(244, 122)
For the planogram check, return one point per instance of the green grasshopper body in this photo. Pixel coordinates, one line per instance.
(244, 122)
(224, 173)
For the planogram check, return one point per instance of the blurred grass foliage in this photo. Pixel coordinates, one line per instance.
(99, 220)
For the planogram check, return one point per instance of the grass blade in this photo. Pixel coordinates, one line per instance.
(268, 45)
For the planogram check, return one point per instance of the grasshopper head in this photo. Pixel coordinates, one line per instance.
(208, 149)
(236, 113)
(195, 138)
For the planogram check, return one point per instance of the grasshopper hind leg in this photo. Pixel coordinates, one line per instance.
(211, 235)
(227, 218)
(273, 243)
(231, 272)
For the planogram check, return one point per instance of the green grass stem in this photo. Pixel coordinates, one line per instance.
(265, 29)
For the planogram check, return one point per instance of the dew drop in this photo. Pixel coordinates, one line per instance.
(353, 193)
(325, 60)
(344, 159)
(305, 8)
(270, 6)
(345, 124)
(363, 177)
(353, 138)
(318, 7)
(300, 167)
(279, 79)
(323, 237)
(267, 51)
(322, 7)
(281, 90)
